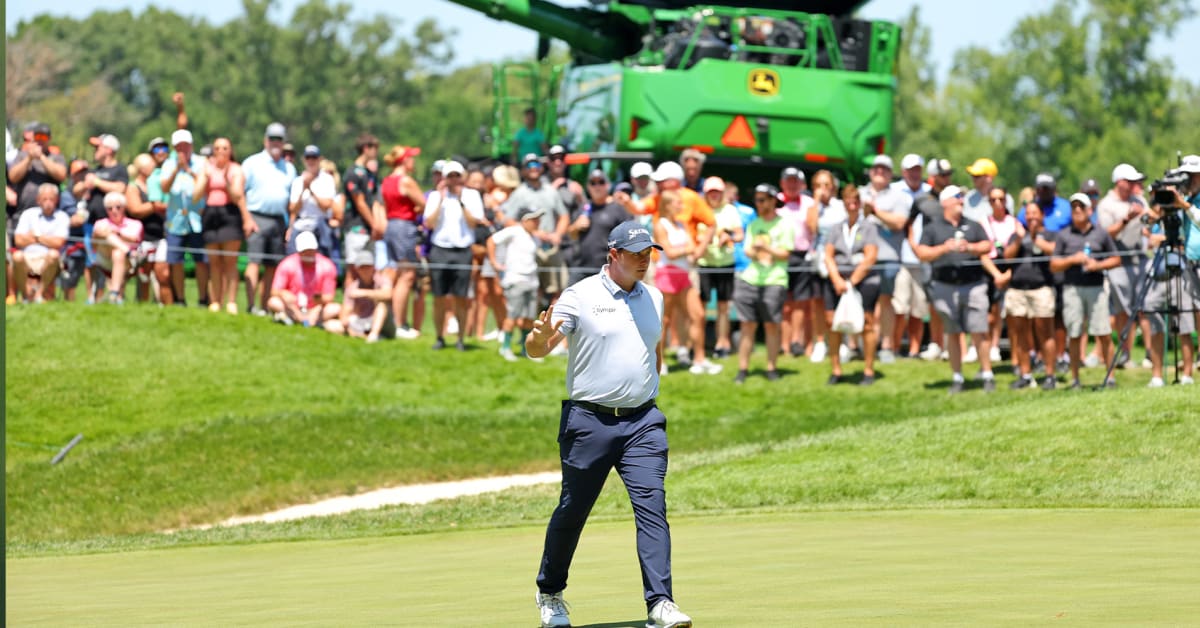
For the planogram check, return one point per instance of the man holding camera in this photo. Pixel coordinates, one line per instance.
(1183, 197)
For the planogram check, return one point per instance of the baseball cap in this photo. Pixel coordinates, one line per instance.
(768, 189)
(791, 172)
(360, 257)
(556, 150)
(912, 160)
(38, 128)
(531, 159)
(181, 136)
(312, 150)
(158, 141)
(1126, 172)
(437, 166)
(306, 241)
(1089, 186)
(983, 166)
(1045, 180)
(624, 186)
(691, 153)
(1190, 164)
(107, 140)
(1081, 198)
(631, 236)
(597, 174)
(453, 167)
(951, 191)
(714, 183)
(668, 170)
(641, 169)
(78, 165)
(883, 160)
(939, 167)
(530, 213)
(288, 147)
(276, 129)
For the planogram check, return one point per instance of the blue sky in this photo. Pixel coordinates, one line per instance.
(955, 24)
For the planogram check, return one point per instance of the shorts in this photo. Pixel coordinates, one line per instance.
(1123, 282)
(1156, 304)
(719, 279)
(758, 304)
(401, 239)
(73, 267)
(868, 288)
(356, 241)
(1032, 303)
(552, 270)
(360, 324)
(316, 226)
(888, 271)
(908, 298)
(1086, 303)
(522, 301)
(177, 243)
(266, 246)
(35, 265)
(672, 280)
(802, 279)
(153, 251)
(222, 223)
(963, 307)
(454, 281)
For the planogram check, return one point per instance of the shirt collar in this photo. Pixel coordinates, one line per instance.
(612, 286)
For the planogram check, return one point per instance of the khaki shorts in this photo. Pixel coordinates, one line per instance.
(36, 264)
(1156, 305)
(908, 296)
(1036, 303)
(552, 271)
(1086, 303)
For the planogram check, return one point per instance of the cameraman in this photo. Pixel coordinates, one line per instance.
(1187, 200)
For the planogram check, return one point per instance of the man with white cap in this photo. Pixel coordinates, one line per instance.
(303, 287)
(889, 209)
(803, 287)
(268, 190)
(911, 182)
(1120, 214)
(640, 175)
(183, 180)
(107, 175)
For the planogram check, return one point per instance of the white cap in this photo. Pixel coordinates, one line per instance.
(1126, 172)
(1045, 180)
(951, 191)
(1191, 164)
(451, 167)
(912, 160)
(181, 136)
(641, 169)
(668, 170)
(1080, 197)
(883, 160)
(107, 140)
(306, 241)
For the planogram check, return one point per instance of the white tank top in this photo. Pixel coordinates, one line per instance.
(677, 236)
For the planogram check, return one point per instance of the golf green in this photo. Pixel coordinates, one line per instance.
(920, 568)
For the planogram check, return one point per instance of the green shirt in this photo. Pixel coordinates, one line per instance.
(528, 141)
(779, 234)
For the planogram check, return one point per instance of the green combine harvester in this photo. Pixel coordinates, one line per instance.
(755, 84)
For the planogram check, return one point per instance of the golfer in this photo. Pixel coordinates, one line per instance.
(614, 321)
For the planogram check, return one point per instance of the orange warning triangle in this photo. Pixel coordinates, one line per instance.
(739, 135)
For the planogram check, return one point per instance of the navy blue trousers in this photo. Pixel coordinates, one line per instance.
(590, 444)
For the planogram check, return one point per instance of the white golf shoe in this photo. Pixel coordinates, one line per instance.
(666, 614)
(553, 609)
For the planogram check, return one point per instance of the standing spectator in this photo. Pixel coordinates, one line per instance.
(336, 212)
(983, 175)
(117, 239)
(1164, 294)
(747, 214)
(928, 209)
(153, 249)
(850, 256)
(828, 214)
(310, 199)
(717, 264)
(761, 288)
(528, 139)
(268, 189)
(692, 161)
(518, 277)
(674, 266)
(107, 175)
(225, 215)
(1120, 213)
(404, 203)
(911, 183)
(1091, 189)
(640, 175)
(452, 211)
(1000, 227)
(1055, 209)
(484, 279)
(1030, 298)
(1082, 253)
(303, 288)
(803, 290)
(368, 292)
(533, 193)
(34, 165)
(365, 220)
(959, 292)
(600, 216)
(40, 234)
(888, 209)
(183, 181)
(573, 199)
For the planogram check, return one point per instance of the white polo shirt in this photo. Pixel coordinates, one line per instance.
(614, 335)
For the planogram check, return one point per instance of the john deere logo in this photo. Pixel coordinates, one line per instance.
(764, 82)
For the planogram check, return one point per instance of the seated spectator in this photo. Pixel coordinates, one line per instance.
(41, 232)
(304, 286)
(518, 270)
(1029, 301)
(117, 239)
(760, 289)
(365, 302)
(850, 255)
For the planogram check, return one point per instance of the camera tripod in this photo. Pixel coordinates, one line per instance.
(1168, 259)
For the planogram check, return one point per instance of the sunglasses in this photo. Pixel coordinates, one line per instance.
(41, 137)
(763, 199)
(161, 149)
(597, 182)
(274, 138)
(996, 200)
(556, 158)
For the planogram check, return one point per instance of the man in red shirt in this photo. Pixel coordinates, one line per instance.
(304, 286)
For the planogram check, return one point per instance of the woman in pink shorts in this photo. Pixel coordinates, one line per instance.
(671, 273)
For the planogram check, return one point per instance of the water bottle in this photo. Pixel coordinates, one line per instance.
(1087, 249)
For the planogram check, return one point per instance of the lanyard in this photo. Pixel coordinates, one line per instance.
(848, 234)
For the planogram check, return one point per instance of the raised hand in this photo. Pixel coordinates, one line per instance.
(543, 328)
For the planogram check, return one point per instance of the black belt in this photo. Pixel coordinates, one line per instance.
(617, 412)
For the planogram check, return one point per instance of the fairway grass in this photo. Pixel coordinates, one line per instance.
(883, 568)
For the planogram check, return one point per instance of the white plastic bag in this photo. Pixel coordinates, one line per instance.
(848, 317)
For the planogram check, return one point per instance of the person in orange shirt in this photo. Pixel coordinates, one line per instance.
(699, 220)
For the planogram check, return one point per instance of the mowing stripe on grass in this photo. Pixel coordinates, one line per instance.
(954, 567)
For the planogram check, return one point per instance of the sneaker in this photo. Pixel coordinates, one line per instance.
(833, 380)
(931, 353)
(721, 353)
(553, 609)
(663, 370)
(1021, 382)
(845, 353)
(283, 319)
(994, 354)
(460, 345)
(740, 378)
(1092, 361)
(214, 308)
(945, 355)
(1186, 380)
(683, 356)
(989, 385)
(1049, 383)
(867, 380)
(404, 332)
(1147, 364)
(971, 356)
(772, 375)
(887, 356)
(706, 367)
(956, 387)
(507, 354)
(452, 326)
(231, 308)
(1064, 361)
(439, 344)
(666, 614)
(818, 352)
(536, 360)
(1155, 382)
(372, 339)
(1110, 383)
(1039, 367)
(796, 349)
(258, 311)
(491, 335)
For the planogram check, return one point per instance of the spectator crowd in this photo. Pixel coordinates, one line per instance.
(908, 266)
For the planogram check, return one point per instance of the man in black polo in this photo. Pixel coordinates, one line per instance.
(590, 229)
(956, 248)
